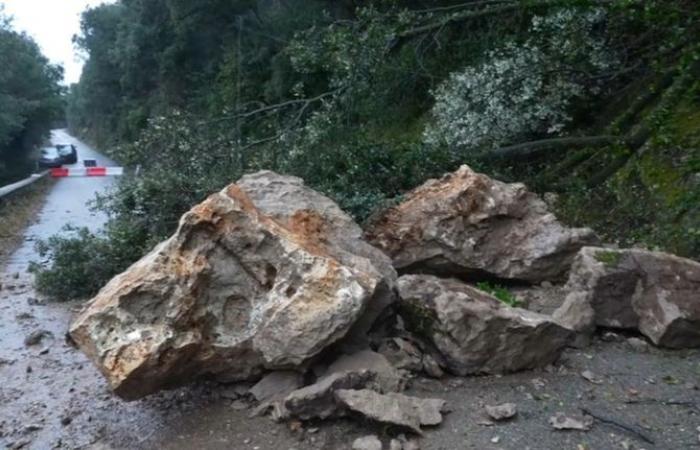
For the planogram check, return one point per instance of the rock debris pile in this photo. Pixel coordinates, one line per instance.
(270, 281)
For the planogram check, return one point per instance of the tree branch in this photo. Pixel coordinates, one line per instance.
(527, 149)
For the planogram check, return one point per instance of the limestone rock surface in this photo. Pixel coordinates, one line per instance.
(653, 292)
(466, 224)
(475, 332)
(245, 285)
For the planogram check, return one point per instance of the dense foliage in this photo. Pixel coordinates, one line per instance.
(30, 99)
(365, 100)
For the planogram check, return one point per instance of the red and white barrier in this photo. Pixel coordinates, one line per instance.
(86, 172)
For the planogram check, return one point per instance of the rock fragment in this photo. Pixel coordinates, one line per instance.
(637, 344)
(370, 442)
(388, 378)
(36, 337)
(395, 409)
(561, 421)
(467, 224)
(402, 354)
(503, 411)
(317, 401)
(276, 385)
(475, 332)
(655, 293)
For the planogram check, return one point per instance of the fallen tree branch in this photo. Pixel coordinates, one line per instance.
(527, 149)
(629, 428)
(487, 11)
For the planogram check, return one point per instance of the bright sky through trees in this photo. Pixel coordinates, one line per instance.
(52, 24)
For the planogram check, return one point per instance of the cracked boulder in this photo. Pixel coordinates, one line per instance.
(655, 293)
(263, 275)
(466, 224)
(475, 332)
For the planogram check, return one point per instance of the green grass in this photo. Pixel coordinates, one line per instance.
(609, 258)
(499, 292)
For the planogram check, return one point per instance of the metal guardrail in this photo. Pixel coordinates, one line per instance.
(10, 188)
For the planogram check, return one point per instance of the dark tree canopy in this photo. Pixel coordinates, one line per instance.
(30, 99)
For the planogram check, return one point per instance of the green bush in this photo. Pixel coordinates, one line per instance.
(82, 262)
(499, 292)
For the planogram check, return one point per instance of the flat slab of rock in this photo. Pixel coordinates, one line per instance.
(317, 401)
(475, 332)
(656, 293)
(395, 409)
(388, 377)
(365, 369)
(276, 385)
(467, 224)
(239, 289)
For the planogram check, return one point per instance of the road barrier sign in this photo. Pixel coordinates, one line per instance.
(86, 172)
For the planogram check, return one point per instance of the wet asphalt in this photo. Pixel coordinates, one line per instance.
(68, 203)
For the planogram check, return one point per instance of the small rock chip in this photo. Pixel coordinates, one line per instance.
(239, 405)
(610, 336)
(590, 376)
(370, 442)
(504, 411)
(495, 439)
(431, 367)
(36, 337)
(560, 421)
(638, 345)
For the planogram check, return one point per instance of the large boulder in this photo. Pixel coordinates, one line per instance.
(247, 283)
(469, 225)
(655, 293)
(475, 332)
(289, 201)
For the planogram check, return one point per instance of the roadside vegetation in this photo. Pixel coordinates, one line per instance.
(30, 100)
(596, 101)
(17, 211)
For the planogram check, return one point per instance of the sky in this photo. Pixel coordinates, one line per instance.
(52, 24)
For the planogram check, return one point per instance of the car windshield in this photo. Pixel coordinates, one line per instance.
(63, 149)
(49, 152)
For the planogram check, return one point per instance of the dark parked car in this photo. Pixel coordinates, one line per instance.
(50, 158)
(68, 153)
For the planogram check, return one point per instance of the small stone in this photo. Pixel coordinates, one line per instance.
(395, 444)
(239, 405)
(411, 444)
(503, 411)
(32, 427)
(66, 420)
(431, 367)
(36, 337)
(638, 345)
(591, 377)
(246, 441)
(610, 336)
(370, 442)
(495, 439)
(546, 284)
(562, 422)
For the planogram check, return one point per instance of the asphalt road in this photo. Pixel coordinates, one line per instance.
(67, 203)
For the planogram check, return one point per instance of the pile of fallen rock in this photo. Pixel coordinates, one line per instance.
(270, 281)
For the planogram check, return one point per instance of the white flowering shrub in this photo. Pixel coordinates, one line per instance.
(523, 89)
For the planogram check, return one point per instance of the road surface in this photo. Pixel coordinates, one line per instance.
(67, 203)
